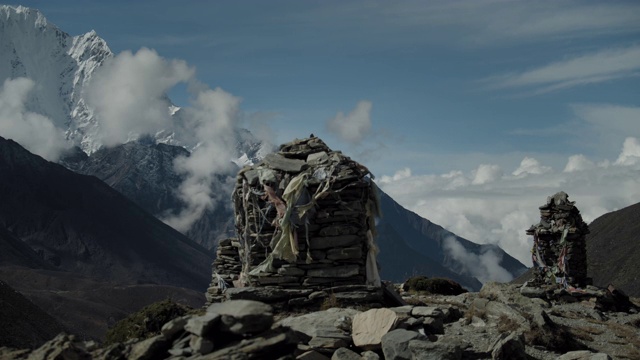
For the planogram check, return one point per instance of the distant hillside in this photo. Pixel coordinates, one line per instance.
(411, 245)
(613, 249)
(79, 224)
(83, 252)
(23, 324)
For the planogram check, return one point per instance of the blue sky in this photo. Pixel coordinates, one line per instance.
(442, 76)
(459, 107)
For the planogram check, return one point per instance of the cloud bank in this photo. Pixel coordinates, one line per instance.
(485, 267)
(488, 208)
(35, 132)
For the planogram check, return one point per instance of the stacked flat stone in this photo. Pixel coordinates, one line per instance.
(329, 243)
(559, 251)
(226, 269)
(327, 203)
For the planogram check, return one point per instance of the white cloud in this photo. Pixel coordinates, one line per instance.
(595, 67)
(630, 154)
(213, 116)
(485, 267)
(499, 212)
(128, 94)
(530, 166)
(578, 163)
(355, 126)
(35, 132)
(486, 173)
(399, 175)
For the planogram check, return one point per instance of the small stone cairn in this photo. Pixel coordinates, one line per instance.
(305, 220)
(559, 251)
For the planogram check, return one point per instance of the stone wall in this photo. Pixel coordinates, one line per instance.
(304, 219)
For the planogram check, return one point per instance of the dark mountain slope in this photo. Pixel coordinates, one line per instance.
(613, 249)
(143, 172)
(420, 238)
(23, 324)
(14, 251)
(79, 224)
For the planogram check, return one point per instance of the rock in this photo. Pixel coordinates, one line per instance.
(533, 292)
(319, 322)
(345, 354)
(477, 322)
(200, 345)
(370, 326)
(508, 347)
(403, 312)
(395, 344)
(440, 350)
(202, 325)
(583, 355)
(271, 344)
(311, 355)
(175, 326)
(433, 325)
(428, 311)
(264, 294)
(359, 297)
(279, 162)
(327, 343)
(243, 316)
(62, 346)
(370, 355)
(149, 349)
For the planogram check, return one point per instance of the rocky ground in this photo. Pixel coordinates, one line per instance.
(500, 322)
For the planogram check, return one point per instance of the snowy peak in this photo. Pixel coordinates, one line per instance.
(27, 15)
(60, 64)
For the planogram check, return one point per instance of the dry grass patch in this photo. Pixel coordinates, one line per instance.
(628, 333)
(507, 324)
(329, 302)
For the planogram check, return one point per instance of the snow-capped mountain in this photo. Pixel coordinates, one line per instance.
(60, 64)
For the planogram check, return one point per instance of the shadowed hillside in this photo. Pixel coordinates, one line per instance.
(23, 324)
(79, 224)
(613, 249)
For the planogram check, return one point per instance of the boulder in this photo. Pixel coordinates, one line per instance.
(427, 311)
(395, 344)
(149, 349)
(370, 326)
(345, 354)
(320, 322)
(202, 325)
(439, 350)
(508, 347)
(243, 316)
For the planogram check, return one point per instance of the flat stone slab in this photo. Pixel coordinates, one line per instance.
(370, 326)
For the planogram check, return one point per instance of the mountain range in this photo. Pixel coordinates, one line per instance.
(86, 234)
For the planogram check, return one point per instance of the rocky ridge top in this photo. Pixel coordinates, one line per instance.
(499, 322)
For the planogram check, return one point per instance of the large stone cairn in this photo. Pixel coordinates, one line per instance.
(305, 220)
(559, 249)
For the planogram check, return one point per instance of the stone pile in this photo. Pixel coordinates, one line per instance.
(559, 251)
(502, 321)
(305, 220)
